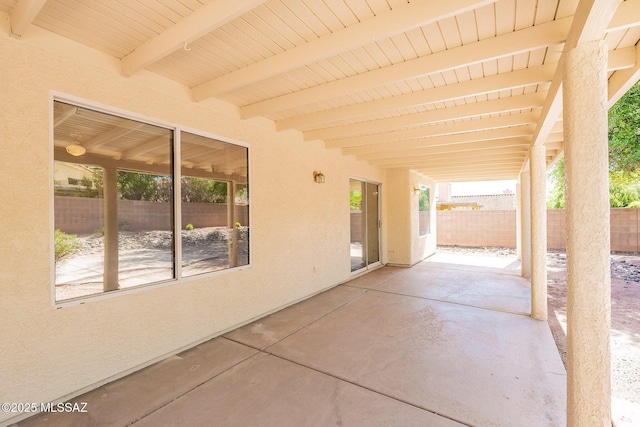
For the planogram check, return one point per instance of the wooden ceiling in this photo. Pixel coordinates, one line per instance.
(457, 90)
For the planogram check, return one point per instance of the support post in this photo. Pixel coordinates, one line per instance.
(525, 222)
(538, 168)
(518, 220)
(588, 244)
(110, 183)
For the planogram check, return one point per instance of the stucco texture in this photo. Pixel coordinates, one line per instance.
(299, 229)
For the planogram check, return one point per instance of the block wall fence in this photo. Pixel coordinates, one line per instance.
(81, 215)
(498, 228)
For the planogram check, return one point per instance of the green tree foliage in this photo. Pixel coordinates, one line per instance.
(157, 188)
(555, 186)
(624, 156)
(624, 132)
(138, 186)
(423, 199)
(202, 190)
(355, 200)
(624, 188)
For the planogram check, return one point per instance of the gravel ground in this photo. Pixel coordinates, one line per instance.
(128, 240)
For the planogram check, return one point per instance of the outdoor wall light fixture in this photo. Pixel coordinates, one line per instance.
(76, 150)
(416, 190)
(318, 177)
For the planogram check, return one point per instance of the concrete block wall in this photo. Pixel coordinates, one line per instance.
(78, 215)
(556, 229)
(624, 230)
(81, 215)
(498, 228)
(477, 228)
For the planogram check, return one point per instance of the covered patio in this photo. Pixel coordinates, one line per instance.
(300, 113)
(439, 344)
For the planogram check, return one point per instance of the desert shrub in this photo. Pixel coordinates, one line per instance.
(65, 244)
(189, 227)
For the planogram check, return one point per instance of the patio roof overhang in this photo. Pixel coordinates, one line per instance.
(457, 90)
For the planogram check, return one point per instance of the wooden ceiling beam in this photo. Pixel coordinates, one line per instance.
(520, 41)
(192, 27)
(435, 141)
(146, 147)
(125, 128)
(590, 22)
(68, 111)
(60, 154)
(453, 148)
(496, 106)
(470, 174)
(618, 59)
(381, 26)
(489, 166)
(23, 14)
(471, 177)
(498, 82)
(621, 59)
(621, 81)
(456, 161)
(522, 119)
(626, 16)
(486, 154)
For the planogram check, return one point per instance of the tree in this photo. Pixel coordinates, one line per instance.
(624, 188)
(624, 132)
(624, 156)
(203, 190)
(137, 186)
(423, 199)
(555, 185)
(158, 188)
(355, 200)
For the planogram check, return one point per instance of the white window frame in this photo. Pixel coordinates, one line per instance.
(177, 197)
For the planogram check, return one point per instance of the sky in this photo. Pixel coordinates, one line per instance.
(481, 188)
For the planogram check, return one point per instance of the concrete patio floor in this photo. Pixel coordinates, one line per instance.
(438, 344)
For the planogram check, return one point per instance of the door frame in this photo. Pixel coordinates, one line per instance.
(365, 238)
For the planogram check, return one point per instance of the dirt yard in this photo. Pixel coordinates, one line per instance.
(625, 327)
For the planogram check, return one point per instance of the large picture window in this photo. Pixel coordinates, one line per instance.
(123, 218)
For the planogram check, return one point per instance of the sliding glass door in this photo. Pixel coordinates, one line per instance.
(364, 201)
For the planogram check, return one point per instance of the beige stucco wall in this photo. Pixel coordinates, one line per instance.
(398, 220)
(422, 246)
(299, 243)
(405, 246)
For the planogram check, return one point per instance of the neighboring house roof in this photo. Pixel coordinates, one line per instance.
(506, 201)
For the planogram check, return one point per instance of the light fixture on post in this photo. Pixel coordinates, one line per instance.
(76, 149)
(318, 177)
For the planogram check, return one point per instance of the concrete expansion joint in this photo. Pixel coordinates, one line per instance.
(371, 390)
(200, 384)
(454, 303)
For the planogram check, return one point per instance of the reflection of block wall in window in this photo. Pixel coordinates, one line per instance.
(129, 235)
